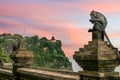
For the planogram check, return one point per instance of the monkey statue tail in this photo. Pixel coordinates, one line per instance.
(116, 50)
(108, 39)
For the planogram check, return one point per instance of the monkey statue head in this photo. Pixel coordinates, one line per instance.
(98, 17)
(93, 14)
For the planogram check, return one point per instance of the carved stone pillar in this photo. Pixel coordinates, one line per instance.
(21, 58)
(98, 59)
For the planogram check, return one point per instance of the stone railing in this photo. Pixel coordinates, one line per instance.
(46, 74)
(21, 69)
(6, 74)
(31, 73)
(38, 74)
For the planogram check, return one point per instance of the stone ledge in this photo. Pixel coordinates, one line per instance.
(6, 71)
(92, 73)
(62, 75)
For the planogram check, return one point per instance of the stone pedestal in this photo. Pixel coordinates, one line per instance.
(96, 35)
(98, 59)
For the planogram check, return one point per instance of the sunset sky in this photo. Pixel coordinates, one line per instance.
(67, 20)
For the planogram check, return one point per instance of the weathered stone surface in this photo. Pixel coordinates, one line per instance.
(47, 74)
(97, 55)
(6, 74)
(98, 59)
(22, 55)
(21, 58)
(38, 74)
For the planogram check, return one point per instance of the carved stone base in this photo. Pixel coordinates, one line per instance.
(96, 35)
(98, 59)
(97, 56)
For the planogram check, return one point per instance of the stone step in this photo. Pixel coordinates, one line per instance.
(107, 57)
(102, 42)
(83, 57)
(104, 48)
(90, 42)
(76, 52)
(85, 46)
(88, 47)
(81, 49)
(98, 42)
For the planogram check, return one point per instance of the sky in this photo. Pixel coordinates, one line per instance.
(66, 20)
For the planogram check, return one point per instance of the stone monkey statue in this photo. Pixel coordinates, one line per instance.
(100, 23)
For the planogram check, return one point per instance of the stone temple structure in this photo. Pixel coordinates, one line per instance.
(99, 58)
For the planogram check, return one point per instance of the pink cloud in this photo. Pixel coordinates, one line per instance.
(2, 30)
(30, 11)
(78, 37)
(82, 7)
(18, 27)
(40, 11)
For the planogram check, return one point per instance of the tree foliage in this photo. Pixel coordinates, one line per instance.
(4, 49)
(48, 54)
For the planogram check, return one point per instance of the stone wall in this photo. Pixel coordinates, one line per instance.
(31, 73)
(38, 74)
